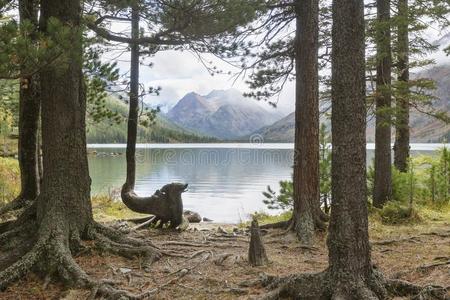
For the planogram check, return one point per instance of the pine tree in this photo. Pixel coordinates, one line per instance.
(29, 106)
(383, 176)
(297, 56)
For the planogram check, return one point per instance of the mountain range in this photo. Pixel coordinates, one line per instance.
(227, 115)
(224, 114)
(162, 131)
(424, 129)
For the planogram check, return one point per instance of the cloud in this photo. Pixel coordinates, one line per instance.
(179, 73)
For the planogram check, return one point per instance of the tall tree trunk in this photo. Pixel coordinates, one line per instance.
(350, 274)
(48, 232)
(29, 106)
(29, 110)
(167, 207)
(133, 114)
(307, 213)
(348, 238)
(401, 147)
(64, 203)
(383, 177)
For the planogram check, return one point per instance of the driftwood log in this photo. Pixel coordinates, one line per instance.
(165, 204)
(256, 253)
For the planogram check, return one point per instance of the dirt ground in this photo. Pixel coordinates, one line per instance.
(214, 262)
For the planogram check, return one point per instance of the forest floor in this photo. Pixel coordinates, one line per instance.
(215, 263)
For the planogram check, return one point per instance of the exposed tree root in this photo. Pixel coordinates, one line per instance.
(148, 253)
(14, 205)
(52, 256)
(277, 225)
(21, 266)
(402, 288)
(321, 286)
(304, 286)
(119, 237)
(320, 224)
(434, 265)
(412, 239)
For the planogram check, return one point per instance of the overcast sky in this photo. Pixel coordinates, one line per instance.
(179, 73)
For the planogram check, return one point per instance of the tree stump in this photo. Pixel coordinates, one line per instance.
(256, 253)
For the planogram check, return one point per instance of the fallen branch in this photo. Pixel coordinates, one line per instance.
(430, 266)
(181, 273)
(143, 224)
(393, 241)
(187, 244)
(439, 234)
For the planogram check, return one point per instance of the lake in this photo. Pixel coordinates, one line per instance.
(225, 180)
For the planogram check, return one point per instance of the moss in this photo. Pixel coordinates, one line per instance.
(397, 213)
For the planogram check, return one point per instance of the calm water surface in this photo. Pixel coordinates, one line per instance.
(225, 180)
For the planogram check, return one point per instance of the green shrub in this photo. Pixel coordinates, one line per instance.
(284, 198)
(396, 213)
(438, 182)
(401, 186)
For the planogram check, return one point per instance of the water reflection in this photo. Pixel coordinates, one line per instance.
(225, 184)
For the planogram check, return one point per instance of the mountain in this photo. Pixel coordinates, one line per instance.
(163, 131)
(282, 131)
(424, 129)
(224, 114)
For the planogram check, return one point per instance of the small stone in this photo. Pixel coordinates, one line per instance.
(124, 270)
(192, 216)
(206, 219)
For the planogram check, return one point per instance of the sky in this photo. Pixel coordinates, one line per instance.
(179, 73)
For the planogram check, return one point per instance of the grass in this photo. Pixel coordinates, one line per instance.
(266, 218)
(8, 147)
(9, 179)
(108, 208)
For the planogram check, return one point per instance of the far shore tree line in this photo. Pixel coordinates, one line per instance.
(52, 50)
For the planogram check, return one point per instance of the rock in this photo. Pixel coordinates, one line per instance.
(125, 270)
(192, 216)
(205, 219)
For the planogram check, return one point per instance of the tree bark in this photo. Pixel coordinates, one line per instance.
(256, 253)
(348, 238)
(401, 147)
(64, 202)
(133, 114)
(350, 274)
(48, 232)
(166, 204)
(29, 106)
(383, 173)
(307, 216)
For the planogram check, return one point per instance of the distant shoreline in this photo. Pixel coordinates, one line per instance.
(281, 146)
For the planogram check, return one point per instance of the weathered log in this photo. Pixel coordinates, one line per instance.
(256, 253)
